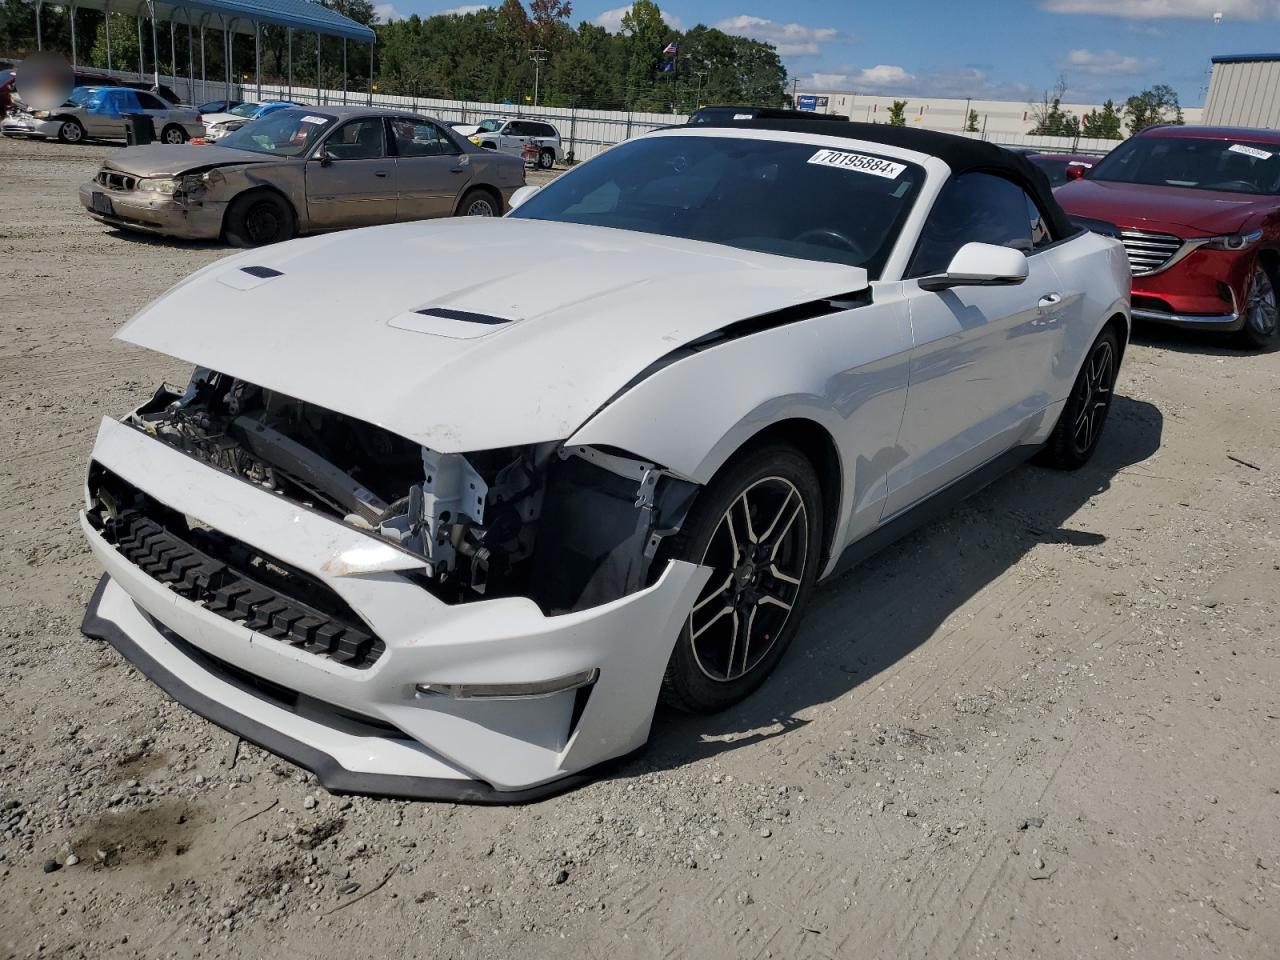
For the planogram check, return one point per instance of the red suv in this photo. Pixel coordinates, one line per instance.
(1198, 210)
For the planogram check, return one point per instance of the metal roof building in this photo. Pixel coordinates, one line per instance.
(229, 17)
(1244, 91)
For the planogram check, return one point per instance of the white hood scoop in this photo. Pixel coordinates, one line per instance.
(246, 278)
(454, 324)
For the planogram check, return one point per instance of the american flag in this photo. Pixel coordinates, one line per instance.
(670, 49)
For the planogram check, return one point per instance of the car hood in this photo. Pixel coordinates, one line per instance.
(1179, 210)
(167, 160)
(541, 323)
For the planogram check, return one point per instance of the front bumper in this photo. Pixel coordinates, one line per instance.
(155, 213)
(30, 127)
(1206, 289)
(402, 743)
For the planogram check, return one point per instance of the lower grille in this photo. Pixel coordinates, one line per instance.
(233, 580)
(1148, 252)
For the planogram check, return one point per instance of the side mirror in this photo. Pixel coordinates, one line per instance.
(323, 156)
(523, 194)
(980, 265)
(1076, 170)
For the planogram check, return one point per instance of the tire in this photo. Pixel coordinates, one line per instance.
(478, 202)
(762, 598)
(546, 158)
(1261, 315)
(1079, 427)
(257, 218)
(173, 134)
(71, 131)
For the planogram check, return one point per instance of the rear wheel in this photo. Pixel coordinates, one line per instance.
(173, 134)
(258, 218)
(546, 158)
(1080, 424)
(1261, 314)
(758, 526)
(71, 131)
(478, 203)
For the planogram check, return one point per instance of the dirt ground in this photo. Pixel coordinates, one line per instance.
(1044, 726)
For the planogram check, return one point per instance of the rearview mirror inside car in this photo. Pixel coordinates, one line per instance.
(523, 194)
(980, 265)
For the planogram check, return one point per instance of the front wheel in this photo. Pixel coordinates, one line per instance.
(1080, 424)
(758, 526)
(1261, 313)
(258, 218)
(71, 131)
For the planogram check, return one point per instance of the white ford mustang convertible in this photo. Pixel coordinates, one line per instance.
(447, 507)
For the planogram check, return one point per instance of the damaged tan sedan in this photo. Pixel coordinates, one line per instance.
(301, 171)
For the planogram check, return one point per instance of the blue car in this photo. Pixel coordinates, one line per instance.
(218, 125)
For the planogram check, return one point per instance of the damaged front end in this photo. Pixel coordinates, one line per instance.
(569, 528)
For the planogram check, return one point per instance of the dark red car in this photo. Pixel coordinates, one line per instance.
(1198, 210)
(1063, 167)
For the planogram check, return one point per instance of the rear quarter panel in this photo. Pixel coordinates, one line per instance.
(1096, 280)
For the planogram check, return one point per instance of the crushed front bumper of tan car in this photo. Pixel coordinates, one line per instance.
(122, 204)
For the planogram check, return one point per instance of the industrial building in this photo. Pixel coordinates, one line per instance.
(1244, 91)
(1005, 121)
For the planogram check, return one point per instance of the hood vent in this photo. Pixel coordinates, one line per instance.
(262, 273)
(462, 315)
(246, 278)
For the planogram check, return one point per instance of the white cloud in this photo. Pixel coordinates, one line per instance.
(1106, 63)
(790, 39)
(611, 20)
(893, 80)
(463, 10)
(386, 12)
(1168, 9)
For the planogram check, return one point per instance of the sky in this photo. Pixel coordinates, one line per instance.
(984, 49)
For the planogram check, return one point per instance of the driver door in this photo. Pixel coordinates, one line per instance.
(351, 182)
(982, 363)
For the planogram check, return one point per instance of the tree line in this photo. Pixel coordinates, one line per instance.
(1158, 105)
(514, 52)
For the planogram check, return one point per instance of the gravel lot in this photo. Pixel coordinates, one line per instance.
(1044, 726)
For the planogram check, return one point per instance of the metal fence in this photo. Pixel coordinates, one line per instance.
(584, 133)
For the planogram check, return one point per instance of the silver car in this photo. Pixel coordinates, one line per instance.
(98, 113)
(299, 171)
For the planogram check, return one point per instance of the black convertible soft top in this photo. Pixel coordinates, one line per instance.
(961, 154)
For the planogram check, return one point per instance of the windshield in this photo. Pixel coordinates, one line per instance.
(721, 114)
(791, 199)
(490, 126)
(245, 109)
(283, 133)
(80, 94)
(1227, 166)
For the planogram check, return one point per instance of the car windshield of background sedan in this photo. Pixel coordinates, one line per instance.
(792, 199)
(1227, 166)
(285, 133)
(245, 109)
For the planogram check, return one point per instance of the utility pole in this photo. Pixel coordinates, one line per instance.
(964, 124)
(539, 57)
(697, 97)
(795, 83)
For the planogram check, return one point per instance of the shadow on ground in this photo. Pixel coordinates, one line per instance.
(863, 622)
(1203, 342)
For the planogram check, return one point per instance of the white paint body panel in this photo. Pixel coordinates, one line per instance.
(914, 389)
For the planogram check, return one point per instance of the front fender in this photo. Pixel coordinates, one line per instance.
(846, 372)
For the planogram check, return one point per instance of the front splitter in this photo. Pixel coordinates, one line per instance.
(333, 776)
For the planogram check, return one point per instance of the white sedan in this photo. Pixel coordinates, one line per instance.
(447, 507)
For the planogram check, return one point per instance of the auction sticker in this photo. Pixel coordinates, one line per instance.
(859, 162)
(310, 119)
(1250, 151)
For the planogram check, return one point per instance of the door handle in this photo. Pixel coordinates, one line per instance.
(457, 169)
(380, 173)
(1050, 300)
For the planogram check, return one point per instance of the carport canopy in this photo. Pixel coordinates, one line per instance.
(232, 16)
